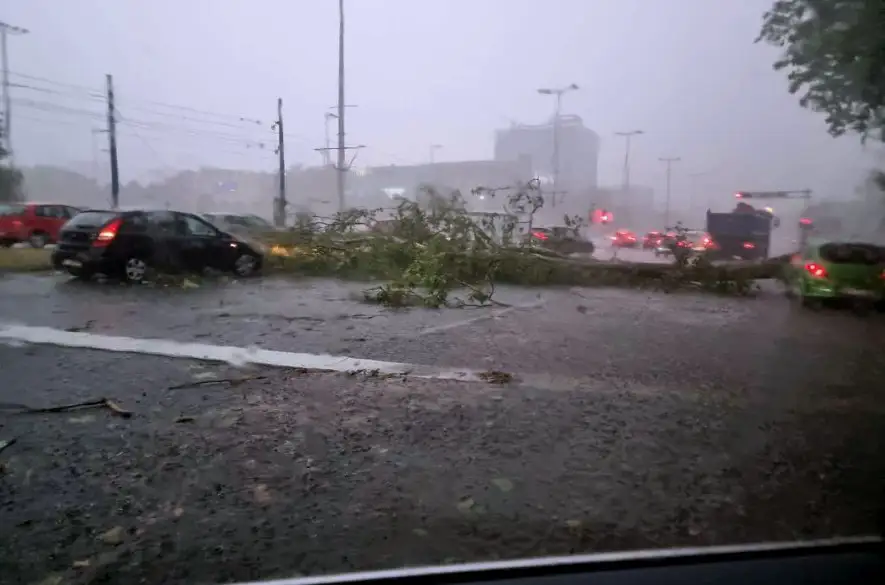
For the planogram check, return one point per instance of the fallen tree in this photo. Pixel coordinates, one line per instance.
(439, 255)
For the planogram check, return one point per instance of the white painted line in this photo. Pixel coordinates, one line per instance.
(492, 315)
(17, 334)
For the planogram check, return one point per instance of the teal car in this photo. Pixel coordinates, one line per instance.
(831, 270)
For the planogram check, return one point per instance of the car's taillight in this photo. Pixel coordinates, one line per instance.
(107, 233)
(816, 270)
(749, 245)
(540, 235)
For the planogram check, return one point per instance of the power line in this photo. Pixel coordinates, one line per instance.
(50, 107)
(81, 88)
(81, 91)
(123, 97)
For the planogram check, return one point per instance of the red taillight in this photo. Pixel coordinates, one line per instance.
(107, 233)
(805, 221)
(816, 270)
(540, 235)
(749, 245)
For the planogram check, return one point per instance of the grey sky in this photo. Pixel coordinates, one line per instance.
(425, 71)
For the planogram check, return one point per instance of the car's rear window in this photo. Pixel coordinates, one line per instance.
(852, 253)
(89, 219)
(7, 210)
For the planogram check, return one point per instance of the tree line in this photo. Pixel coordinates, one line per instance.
(833, 52)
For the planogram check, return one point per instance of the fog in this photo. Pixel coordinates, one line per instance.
(197, 84)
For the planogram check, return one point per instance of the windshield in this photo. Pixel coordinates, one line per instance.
(10, 210)
(853, 253)
(367, 284)
(91, 219)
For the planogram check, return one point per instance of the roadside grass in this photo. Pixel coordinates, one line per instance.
(24, 260)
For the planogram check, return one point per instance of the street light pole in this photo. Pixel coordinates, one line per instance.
(5, 31)
(669, 162)
(558, 92)
(628, 136)
(341, 187)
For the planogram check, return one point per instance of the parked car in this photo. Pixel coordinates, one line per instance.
(35, 223)
(624, 239)
(238, 222)
(130, 244)
(828, 270)
(562, 239)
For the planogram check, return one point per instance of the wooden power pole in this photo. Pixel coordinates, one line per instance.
(279, 214)
(112, 145)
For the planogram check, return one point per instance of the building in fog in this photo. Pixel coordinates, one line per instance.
(578, 153)
(445, 177)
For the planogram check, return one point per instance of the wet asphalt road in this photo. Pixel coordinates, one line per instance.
(634, 420)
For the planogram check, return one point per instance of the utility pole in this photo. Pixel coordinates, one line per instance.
(5, 31)
(433, 149)
(279, 212)
(669, 162)
(628, 136)
(558, 92)
(341, 151)
(112, 145)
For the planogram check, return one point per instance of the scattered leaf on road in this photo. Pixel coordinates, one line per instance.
(503, 484)
(81, 420)
(261, 494)
(178, 512)
(185, 419)
(51, 579)
(573, 524)
(496, 377)
(419, 532)
(186, 283)
(6, 443)
(114, 536)
(85, 563)
(466, 504)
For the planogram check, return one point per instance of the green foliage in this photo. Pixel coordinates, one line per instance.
(433, 253)
(834, 52)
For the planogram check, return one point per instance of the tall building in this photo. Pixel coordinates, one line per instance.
(578, 153)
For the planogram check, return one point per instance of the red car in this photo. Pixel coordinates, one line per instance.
(624, 239)
(35, 223)
(653, 240)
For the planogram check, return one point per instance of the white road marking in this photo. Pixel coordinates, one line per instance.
(19, 334)
(491, 315)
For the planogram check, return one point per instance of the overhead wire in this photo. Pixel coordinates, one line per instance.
(250, 126)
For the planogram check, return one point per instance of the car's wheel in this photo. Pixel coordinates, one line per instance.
(135, 269)
(246, 265)
(38, 240)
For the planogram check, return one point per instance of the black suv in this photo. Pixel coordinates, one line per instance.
(129, 244)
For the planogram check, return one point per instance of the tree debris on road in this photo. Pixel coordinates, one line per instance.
(98, 403)
(427, 254)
